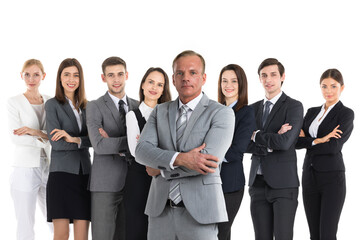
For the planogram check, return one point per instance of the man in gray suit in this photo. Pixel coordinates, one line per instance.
(107, 132)
(181, 138)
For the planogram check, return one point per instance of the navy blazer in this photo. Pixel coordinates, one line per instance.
(67, 157)
(279, 166)
(326, 156)
(232, 171)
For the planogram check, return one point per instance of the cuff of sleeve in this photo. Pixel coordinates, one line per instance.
(255, 135)
(173, 160)
(79, 145)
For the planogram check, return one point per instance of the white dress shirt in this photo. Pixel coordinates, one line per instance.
(313, 129)
(273, 102)
(116, 102)
(192, 105)
(133, 130)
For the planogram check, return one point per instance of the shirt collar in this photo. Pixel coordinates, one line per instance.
(116, 99)
(193, 103)
(274, 99)
(330, 107)
(233, 104)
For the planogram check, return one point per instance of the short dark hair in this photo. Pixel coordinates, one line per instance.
(272, 61)
(112, 61)
(189, 53)
(334, 74)
(166, 95)
(79, 92)
(242, 86)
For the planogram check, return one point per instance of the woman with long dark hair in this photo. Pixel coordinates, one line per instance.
(232, 92)
(68, 200)
(154, 89)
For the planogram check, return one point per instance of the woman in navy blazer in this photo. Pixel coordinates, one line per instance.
(68, 200)
(232, 92)
(325, 130)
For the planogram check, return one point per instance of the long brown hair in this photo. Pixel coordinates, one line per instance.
(166, 95)
(80, 98)
(242, 86)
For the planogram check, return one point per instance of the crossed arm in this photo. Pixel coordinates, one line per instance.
(200, 160)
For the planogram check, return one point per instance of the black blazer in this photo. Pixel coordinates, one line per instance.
(279, 167)
(326, 156)
(67, 157)
(232, 172)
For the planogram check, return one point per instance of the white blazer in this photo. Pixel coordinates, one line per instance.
(27, 148)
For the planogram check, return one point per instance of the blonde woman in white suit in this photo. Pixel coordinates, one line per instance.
(26, 117)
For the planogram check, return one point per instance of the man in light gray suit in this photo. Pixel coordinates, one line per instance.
(182, 139)
(107, 132)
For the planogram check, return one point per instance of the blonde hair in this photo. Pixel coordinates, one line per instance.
(32, 62)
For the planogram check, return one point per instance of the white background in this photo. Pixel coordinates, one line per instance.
(308, 37)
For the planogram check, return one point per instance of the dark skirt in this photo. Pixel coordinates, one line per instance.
(67, 197)
(136, 192)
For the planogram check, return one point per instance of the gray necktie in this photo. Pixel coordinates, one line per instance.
(266, 112)
(181, 122)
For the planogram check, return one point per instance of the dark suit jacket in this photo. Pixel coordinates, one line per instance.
(327, 156)
(67, 157)
(279, 167)
(232, 171)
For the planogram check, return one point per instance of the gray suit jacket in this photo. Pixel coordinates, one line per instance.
(210, 123)
(109, 169)
(67, 157)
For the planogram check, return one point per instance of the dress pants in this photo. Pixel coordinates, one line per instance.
(107, 216)
(272, 210)
(178, 224)
(323, 196)
(28, 185)
(233, 202)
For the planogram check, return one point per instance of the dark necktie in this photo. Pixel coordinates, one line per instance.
(121, 108)
(266, 112)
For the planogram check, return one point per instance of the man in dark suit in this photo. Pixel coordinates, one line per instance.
(107, 132)
(273, 175)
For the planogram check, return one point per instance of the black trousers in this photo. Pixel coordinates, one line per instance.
(137, 187)
(323, 196)
(233, 202)
(272, 210)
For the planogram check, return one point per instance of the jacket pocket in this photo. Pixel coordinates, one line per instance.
(212, 180)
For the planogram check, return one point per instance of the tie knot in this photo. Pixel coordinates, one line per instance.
(268, 104)
(184, 108)
(121, 103)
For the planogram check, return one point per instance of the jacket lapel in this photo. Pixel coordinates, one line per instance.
(70, 113)
(259, 114)
(275, 108)
(118, 118)
(199, 109)
(333, 112)
(173, 108)
(29, 109)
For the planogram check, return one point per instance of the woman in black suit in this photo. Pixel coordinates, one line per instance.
(325, 130)
(67, 197)
(232, 92)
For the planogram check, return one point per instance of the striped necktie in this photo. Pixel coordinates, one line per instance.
(181, 122)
